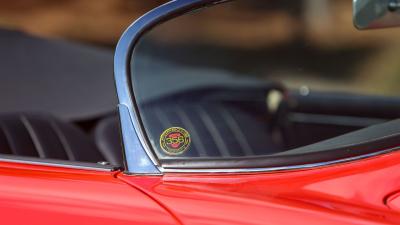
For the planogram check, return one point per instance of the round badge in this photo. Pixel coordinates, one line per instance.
(175, 141)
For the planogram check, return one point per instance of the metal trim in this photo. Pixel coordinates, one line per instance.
(132, 127)
(56, 163)
(283, 168)
(123, 85)
(138, 160)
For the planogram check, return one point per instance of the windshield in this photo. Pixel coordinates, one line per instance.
(256, 79)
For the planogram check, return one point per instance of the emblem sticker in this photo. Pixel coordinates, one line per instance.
(175, 141)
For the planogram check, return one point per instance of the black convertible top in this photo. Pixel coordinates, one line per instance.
(71, 81)
(75, 82)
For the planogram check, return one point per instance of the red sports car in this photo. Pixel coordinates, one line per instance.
(230, 112)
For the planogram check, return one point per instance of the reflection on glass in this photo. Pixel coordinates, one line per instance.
(251, 78)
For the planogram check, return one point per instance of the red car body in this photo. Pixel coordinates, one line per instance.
(362, 192)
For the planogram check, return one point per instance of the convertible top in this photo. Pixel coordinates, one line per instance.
(75, 82)
(68, 80)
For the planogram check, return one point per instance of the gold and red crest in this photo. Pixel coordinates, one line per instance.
(175, 141)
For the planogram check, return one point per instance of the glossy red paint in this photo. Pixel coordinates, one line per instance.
(350, 193)
(46, 195)
(361, 192)
(393, 201)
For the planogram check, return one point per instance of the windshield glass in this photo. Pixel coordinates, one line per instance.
(254, 78)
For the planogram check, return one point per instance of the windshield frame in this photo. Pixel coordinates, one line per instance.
(140, 158)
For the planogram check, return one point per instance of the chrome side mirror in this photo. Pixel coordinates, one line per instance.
(376, 14)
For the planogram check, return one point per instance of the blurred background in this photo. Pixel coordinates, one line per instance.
(326, 24)
(90, 21)
(102, 22)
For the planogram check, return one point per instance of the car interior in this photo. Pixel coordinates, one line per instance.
(68, 111)
(58, 100)
(223, 121)
(230, 114)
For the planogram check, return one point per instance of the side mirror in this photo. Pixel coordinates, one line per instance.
(376, 14)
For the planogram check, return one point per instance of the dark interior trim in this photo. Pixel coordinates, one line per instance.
(373, 140)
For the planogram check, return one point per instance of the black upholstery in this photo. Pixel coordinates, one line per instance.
(43, 136)
(215, 130)
(226, 123)
(107, 138)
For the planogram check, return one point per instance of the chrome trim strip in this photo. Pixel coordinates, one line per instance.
(283, 168)
(137, 160)
(65, 165)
